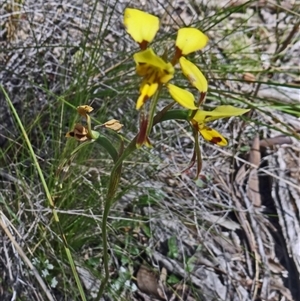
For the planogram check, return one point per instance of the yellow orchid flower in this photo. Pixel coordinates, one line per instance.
(155, 72)
(142, 27)
(202, 117)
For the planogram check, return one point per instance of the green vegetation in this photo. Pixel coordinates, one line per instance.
(52, 200)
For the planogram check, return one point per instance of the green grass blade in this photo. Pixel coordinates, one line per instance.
(47, 192)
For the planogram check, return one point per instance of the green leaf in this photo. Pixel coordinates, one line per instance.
(173, 250)
(190, 264)
(105, 143)
(146, 230)
(172, 279)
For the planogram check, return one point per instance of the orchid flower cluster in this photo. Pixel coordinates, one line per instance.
(157, 73)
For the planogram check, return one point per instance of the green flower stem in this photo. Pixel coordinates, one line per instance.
(193, 113)
(152, 110)
(112, 188)
(94, 135)
(114, 183)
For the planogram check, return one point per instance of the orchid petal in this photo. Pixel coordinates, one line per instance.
(190, 40)
(193, 74)
(213, 136)
(148, 59)
(218, 113)
(147, 90)
(140, 26)
(183, 97)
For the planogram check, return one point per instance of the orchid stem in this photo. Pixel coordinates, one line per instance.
(152, 110)
(114, 182)
(112, 188)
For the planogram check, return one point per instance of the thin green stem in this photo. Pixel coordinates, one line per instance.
(112, 188)
(114, 182)
(152, 110)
